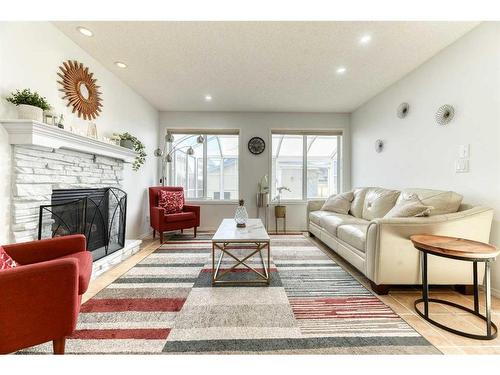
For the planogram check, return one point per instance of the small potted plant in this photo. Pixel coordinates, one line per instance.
(129, 141)
(30, 105)
(279, 210)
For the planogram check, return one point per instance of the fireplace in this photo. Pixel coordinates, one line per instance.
(97, 213)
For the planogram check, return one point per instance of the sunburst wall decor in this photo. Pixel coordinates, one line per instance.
(80, 89)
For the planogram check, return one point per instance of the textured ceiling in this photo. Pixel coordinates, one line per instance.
(262, 66)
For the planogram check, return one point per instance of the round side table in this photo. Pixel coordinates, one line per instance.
(460, 249)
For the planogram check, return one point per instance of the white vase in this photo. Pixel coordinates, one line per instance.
(29, 112)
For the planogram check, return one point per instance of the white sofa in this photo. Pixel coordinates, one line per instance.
(380, 247)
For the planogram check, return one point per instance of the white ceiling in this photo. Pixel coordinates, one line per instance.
(262, 66)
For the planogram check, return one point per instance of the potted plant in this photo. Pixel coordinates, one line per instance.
(279, 210)
(30, 105)
(129, 141)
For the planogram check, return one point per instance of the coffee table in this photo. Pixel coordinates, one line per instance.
(465, 250)
(230, 239)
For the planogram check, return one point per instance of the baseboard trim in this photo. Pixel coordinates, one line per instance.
(147, 234)
(495, 292)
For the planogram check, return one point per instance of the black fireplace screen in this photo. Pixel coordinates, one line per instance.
(99, 214)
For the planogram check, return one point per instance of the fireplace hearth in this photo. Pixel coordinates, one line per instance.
(97, 213)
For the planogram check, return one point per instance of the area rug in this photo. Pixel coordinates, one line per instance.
(166, 304)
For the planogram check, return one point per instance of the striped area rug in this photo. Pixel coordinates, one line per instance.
(166, 304)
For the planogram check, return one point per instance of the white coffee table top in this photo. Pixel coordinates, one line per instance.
(228, 232)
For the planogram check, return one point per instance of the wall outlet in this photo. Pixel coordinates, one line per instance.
(462, 166)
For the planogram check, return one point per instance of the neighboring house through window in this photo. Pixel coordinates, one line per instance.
(309, 164)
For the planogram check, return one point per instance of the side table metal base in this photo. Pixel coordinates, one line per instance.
(490, 336)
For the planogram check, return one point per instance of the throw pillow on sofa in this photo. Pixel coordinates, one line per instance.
(6, 262)
(339, 203)
(442, 202)
(171, 201)
(378, 202)
(412, 206)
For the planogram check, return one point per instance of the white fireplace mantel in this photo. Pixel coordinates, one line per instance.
(27, 132)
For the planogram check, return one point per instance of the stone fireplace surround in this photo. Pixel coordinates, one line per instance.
(39, 170)
(73, 161)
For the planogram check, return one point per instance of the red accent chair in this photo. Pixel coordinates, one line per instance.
(40, 298)
(162, 222)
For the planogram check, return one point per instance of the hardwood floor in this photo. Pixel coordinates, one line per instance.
(399, 299)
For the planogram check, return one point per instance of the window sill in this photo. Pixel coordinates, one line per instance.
(229, 202)
(289, 202)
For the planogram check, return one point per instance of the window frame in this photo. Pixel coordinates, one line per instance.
(333, 133)
(205, 133)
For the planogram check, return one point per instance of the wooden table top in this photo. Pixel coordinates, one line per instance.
(454, 247)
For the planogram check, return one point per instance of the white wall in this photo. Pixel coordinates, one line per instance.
(30, 56)
(253, 167)
(418, 152)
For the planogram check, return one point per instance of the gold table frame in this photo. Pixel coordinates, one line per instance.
(223, 247)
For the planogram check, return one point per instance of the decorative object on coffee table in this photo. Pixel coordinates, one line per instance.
(241, 215)
(129, 141)
(80, 89)
(256, 145)
(460, 249)
(30, 105)
(231, 240)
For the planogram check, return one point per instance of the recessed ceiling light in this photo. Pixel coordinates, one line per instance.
(365, 39)
(341, 70)
(208, 98)
(84, 31)
(120, 64)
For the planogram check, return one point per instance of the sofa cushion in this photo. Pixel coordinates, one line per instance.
(181, 216)
(84, 259)
(443, 202)
(6, 262)
(357, 202)
(315, 216)
(331, 223)
(378, 202)
(354, 235)
(411, 207)
(339, 203)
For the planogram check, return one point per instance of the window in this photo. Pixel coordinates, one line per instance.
(288, 162)
(307, 164)
(211, 172)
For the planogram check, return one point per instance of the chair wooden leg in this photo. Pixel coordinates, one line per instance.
(59, 345)
(195, 231)
(161, 237)
(154, 234)
(182, 230)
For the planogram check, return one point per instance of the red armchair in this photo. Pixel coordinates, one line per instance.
(162, 222)
(40, 298)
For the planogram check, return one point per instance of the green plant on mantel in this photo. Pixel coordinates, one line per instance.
(138, 147)
(28, 98)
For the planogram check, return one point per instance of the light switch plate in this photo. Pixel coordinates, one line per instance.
(462, 166)
(464, 151)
